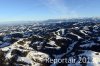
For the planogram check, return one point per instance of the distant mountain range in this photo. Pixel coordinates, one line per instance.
(85, 19)
(91, 19)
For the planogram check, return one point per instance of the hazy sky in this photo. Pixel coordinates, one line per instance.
(16, 10)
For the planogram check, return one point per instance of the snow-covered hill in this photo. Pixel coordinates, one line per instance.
(51, 44)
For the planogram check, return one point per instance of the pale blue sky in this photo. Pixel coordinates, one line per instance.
(19, 10)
